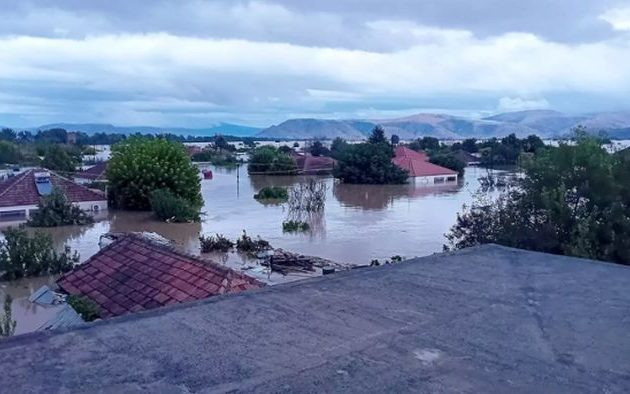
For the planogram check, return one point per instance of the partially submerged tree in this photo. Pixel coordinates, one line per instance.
(370, 162)
(22, 255)
(7, 324)
(269, 160)
(572, 200)
(55, 210)
(139, 166)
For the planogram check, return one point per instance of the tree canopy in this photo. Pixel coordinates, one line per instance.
(267, 159)
(572, 200)
(139, 166)
(369, 163)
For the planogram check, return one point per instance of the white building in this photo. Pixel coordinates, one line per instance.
(21, 194)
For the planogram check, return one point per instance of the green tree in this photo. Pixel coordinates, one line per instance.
(337, 147)
(369, 163)
(395, 139)
(318, 149)
(7, 324)
(55, 210)
(139, 166)
(572, 200)
(8, 135)
(378, 136)
(470, 145)
(449, 161)
(285, 149)
(22, 255)
(267, 159)
(425, 144)
(56, 158)
(221, 143)
(9, 153)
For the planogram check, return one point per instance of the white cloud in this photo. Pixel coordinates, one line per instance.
(207, 76)
(618, 18)
(507, 104)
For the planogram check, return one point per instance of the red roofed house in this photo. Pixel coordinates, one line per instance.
(308, 164)
(93, 174)
(419, 167)
(135, 273)
(20, 194)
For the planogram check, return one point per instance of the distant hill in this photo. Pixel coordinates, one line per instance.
(544, 123)
(92, 128)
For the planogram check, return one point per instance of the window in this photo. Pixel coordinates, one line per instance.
(451, 179)
(438, 179)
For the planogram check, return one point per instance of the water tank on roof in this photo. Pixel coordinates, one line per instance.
(42, 182)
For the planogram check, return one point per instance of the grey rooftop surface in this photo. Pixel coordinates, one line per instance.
(482, 320)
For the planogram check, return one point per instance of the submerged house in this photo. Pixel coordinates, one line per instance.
(136, 273)
(96, 173)
(420, 169)
(21, 194)
(308, 164)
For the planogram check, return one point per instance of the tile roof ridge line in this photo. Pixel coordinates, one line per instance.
(22, 176)
(175, 249)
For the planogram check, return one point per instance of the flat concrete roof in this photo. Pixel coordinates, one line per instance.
(486, 319)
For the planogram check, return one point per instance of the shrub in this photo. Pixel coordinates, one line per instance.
(294, 226)
(139, 166)
(55, 210)
(171, 208)
(85, 307)
(248, 245)
(7, 324)
(215, 243)
(23, 256)
(272, 193)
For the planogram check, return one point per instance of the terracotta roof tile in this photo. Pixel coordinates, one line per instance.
(21, 190)
(134, 273)
(417, 164)
(96, 172)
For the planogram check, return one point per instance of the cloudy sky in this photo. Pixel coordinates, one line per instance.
(194, 63)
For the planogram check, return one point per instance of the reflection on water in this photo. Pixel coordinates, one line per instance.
(358, 224)
(383, 196)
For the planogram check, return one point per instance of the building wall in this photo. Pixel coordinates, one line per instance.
(22, 212)
(434, 179)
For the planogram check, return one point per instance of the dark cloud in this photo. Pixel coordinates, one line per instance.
(305, 22)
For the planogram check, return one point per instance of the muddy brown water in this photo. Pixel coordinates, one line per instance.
(359, 223)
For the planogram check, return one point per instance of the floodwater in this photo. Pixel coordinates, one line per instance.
(359, 222)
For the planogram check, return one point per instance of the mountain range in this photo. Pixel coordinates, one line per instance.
(545, 123)
(92, 128)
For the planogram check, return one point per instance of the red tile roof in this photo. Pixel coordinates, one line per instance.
(21, 190)
(96, 172)
(417, 163)
(134, 273)
(309, 164)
